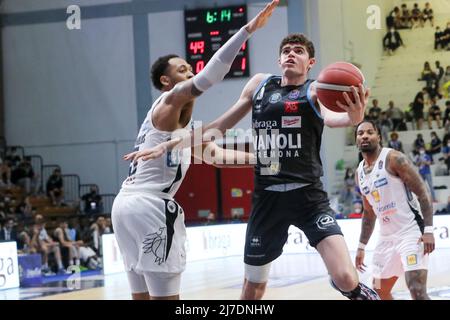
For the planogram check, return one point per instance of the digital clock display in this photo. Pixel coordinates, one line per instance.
(207, 30)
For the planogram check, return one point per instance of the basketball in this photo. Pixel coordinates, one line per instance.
(336, 79)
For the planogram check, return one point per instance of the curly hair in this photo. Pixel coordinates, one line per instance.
(299, 38)
(159, 67)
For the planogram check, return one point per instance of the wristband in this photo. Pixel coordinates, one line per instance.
(428, 229)
(361, 246)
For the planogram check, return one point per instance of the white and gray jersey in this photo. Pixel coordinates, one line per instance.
(396, 207)
(159, 176)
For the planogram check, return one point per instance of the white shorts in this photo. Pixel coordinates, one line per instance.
(155, 283)
(394, 256)
(150, 232)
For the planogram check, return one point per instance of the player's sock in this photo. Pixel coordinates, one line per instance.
(361, 292)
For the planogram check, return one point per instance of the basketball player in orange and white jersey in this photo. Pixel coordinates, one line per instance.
(395, 195)
(148, 223)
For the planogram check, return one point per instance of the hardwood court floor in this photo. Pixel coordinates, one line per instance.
(293, 277)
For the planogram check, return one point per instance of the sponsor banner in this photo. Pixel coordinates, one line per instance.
(225, 240)
(112, 259)
(30, 269)
(9, 267)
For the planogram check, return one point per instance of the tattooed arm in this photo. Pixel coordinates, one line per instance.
(399, 165)
(368, 224)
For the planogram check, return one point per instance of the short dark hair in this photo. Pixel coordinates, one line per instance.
(374, 125)
(159, 67)
(301, 39)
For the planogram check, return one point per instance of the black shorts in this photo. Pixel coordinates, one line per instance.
(273, 212)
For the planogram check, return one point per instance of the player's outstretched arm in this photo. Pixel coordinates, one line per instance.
(214, 129)
(399, 165)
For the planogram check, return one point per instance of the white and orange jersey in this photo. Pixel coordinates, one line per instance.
(396, 207)
(159, 176)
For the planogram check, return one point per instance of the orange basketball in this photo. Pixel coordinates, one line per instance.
(336, 79)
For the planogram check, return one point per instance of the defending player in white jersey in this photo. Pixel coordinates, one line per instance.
(395, 195)
(148, 223)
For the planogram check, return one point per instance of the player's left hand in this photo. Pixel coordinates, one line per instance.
(428, 242)
(263, 16)
(355, 109)
(148, 154)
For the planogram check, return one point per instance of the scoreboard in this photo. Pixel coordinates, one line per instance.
(206, 30)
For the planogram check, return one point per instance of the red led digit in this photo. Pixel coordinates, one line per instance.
(199, 66)
(243, 64)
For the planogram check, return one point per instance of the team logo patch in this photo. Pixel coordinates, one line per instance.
(155, 243)
(171, 207)
(257, 107)
(291, 106)
(376, 196)
(381, 182)
(411, 259)
(325, 221)
(366, 190)
(291, 122)
(274, 98)
(380, 164)
(255, 241)
(294, 94)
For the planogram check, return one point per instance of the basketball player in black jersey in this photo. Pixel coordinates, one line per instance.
(288, 123)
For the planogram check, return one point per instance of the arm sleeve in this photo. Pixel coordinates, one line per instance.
(221, 61)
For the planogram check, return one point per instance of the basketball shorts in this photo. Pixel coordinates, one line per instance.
(150, 232)
(273, 212)
(395, 255)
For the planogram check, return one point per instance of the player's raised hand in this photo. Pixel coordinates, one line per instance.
(359, 260)
(261, 19)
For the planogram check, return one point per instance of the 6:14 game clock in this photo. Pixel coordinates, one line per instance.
(206, 30)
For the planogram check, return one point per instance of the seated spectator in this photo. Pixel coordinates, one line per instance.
(393, 18)
(211, 218)
(374, 111)
(419, 142)
(23, 175)
(8, 232)
(434, 113)
(424, 161)
(435, 145)
(446, 210)
(391, 41)
(357, 211)
(5, 174)
(446, 154)
(394, 143)
(92, 201)
(68, 247)
(45, 245)
(24, 211)
(406, 17)
(446, 119)
(439, 38)
(446, 83)
(416, 16)
(395, 114)
(417, 108)
(96, 231)
(439, 74)
(13, 157)
(386, 125)
(55, 189)
(427, 74)
(427, 14)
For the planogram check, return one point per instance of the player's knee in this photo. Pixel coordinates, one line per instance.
(345, 280)
(253, 291)
(418, 291)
